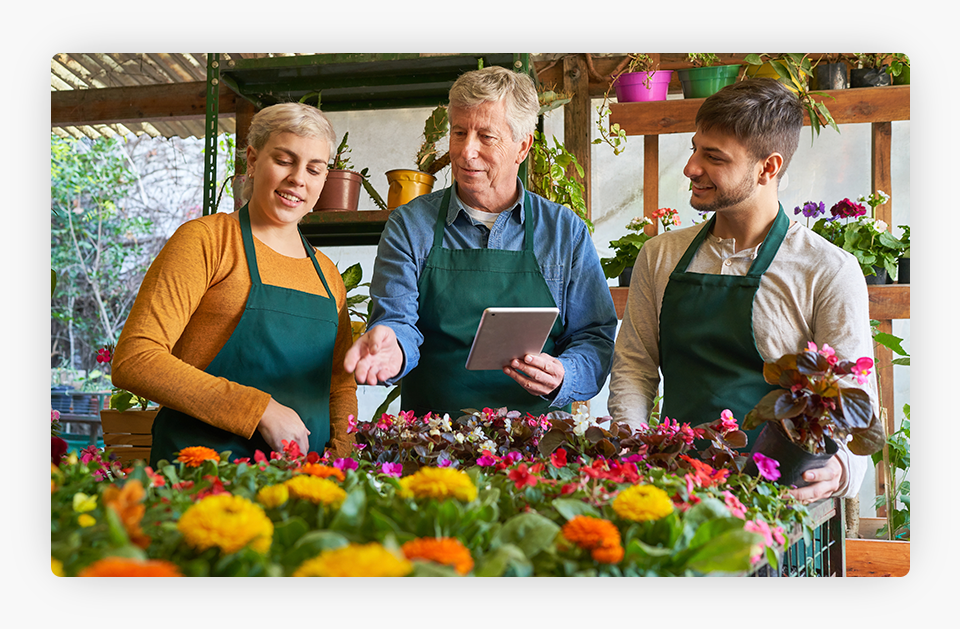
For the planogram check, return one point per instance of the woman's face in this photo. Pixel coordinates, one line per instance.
(288, 174)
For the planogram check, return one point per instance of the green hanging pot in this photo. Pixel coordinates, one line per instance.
(704, 82)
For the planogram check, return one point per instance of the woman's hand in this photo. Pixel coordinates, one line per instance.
(539, 374)
(281, 423)
(375, 357)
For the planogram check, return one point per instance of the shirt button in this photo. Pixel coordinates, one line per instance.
(726, 262)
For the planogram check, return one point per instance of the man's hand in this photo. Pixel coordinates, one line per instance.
(541, 374)
(281, 423)
(824, 482)
(375, 357)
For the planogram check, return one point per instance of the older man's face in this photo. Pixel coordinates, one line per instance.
(484, 157)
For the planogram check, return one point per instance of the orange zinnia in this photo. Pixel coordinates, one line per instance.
(123, 567)
(600, 537)
(194, 456)
(128, 505)
(321, 471)
(443, 550)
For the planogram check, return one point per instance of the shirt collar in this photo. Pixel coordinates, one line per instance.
(457, 206)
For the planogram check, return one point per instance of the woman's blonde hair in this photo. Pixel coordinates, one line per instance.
(297, 118)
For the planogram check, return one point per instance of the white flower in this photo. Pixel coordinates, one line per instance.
(460, 437)
(488, 445)
(878, 226)
(581, 421)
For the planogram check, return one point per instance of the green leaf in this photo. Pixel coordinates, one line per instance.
(350, 516)
(531, 532)
(570, 508)
(352, 276)
(498, 561)
(286, 533)
(728, 552)
(312, 544)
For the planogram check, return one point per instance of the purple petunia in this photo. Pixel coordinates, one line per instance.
(811, 209)
(767, 466)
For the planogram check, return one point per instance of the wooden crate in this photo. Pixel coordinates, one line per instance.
(128, 434)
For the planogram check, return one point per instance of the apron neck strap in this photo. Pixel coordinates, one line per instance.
(246, 233)
(445, 208)
(768, 248)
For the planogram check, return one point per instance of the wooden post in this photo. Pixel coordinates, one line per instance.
(651, 180)
(576, 119)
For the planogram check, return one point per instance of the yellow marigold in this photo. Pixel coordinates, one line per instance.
(443, 550)
(321, 471)
(227, 522)
(439, 483)
(273, 495)
(128, 505)
(642, 502)
(123, 567)
(355, 560)
(56, 566)
(194, 456)
(316, 490)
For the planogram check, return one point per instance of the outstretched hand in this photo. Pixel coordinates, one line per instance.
(540, 374)
(375, 357)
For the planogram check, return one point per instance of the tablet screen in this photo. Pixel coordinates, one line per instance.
(508, 333)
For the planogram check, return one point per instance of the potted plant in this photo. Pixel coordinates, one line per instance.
(849, 228)
(405, 184)
(127, 423)
(341, 191)
(549, 176)
(830, 72)
(706, 77)
(815, 408)
(903, 264)
(627, 248)
(870, 69)
(641, 80)
(794, 70)
(899, 69)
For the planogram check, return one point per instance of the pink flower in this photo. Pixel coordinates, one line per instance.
(351, 424)
(444, 463)
(761, 527)
(393, 469)
(359, 446)
(728, 422)
(862, 369)
(737, 508)
(407, 416)
(259, 457)
(486, 460)
(513, 457)
(345, 464)
(767, 466)
(54, 415)
(290, 448)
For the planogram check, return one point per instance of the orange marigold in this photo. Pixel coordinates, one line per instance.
(443, 550)
(124, 567)
(194, 456)
(600, 537)
(612, 554)
(322, 471)
(127, 502)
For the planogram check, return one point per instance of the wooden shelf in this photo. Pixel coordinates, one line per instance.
(337, 229)
(851, 106)
(890, 301)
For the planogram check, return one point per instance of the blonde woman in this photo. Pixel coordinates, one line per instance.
(240, 327)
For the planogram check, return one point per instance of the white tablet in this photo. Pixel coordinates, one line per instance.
(508, 333)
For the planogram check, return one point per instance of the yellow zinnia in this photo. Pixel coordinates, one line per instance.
(273, 495)
(642, 502)
(316, 490)
(227, 522)
(355, 560)
(439, 483)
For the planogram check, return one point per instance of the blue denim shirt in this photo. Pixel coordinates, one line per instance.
(567, 257)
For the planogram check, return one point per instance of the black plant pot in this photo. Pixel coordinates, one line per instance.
(794, 460)
(623, 280)
(831, 76)
(879, 278)
(903, 271)
(869, 77)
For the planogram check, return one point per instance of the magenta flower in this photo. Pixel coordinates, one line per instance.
(767, 466)
(104, 355)
(728, 423)
(737, 508)
(351, 424)
(345, 464)
(486, 460)
(862, 369)
(392, 469)
(847, 209)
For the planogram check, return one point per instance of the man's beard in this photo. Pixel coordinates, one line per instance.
(724, 199)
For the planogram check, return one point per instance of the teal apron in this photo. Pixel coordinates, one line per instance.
(708, 353)
(282, 345)
(455, 287)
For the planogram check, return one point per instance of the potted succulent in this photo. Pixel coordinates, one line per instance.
(794, 70)
(867, 238)
(627, 248)
(341, 191)
(814, 409)
(871, 69)
(706, 77)
(406, 184)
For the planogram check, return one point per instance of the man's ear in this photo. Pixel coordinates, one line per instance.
(525, 148)
(770, 168)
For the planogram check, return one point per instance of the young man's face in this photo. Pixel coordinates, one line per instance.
(722, 171)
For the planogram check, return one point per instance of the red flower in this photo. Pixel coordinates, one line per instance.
(58, 447)
(521, 476)
(259, 457)
(313, 457)
(559, 457)
(216, 487)
(183, 485)
(703, 475)
(291, 449)
(104, 354)
(569, 488)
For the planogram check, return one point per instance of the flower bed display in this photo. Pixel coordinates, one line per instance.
(491, 493)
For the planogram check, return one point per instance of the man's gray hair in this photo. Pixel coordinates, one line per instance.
(494, 83)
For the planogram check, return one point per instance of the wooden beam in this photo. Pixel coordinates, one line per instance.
(651, 181)
(880, 179)
(112, 105)
(877, 558)
(576, 119)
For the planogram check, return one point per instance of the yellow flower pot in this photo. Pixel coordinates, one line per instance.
(406, 185)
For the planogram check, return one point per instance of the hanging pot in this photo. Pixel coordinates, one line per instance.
(703, 82)
(762, 71)
(623, 280)
(880, 276)
(869, 77)
(830, 76)
(341, 192)
(903, 270)
(635, 87)
(794, 460)
(406, 185)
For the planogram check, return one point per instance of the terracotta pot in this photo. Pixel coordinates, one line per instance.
(406, 185)
(794, 460)
(341, 192)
